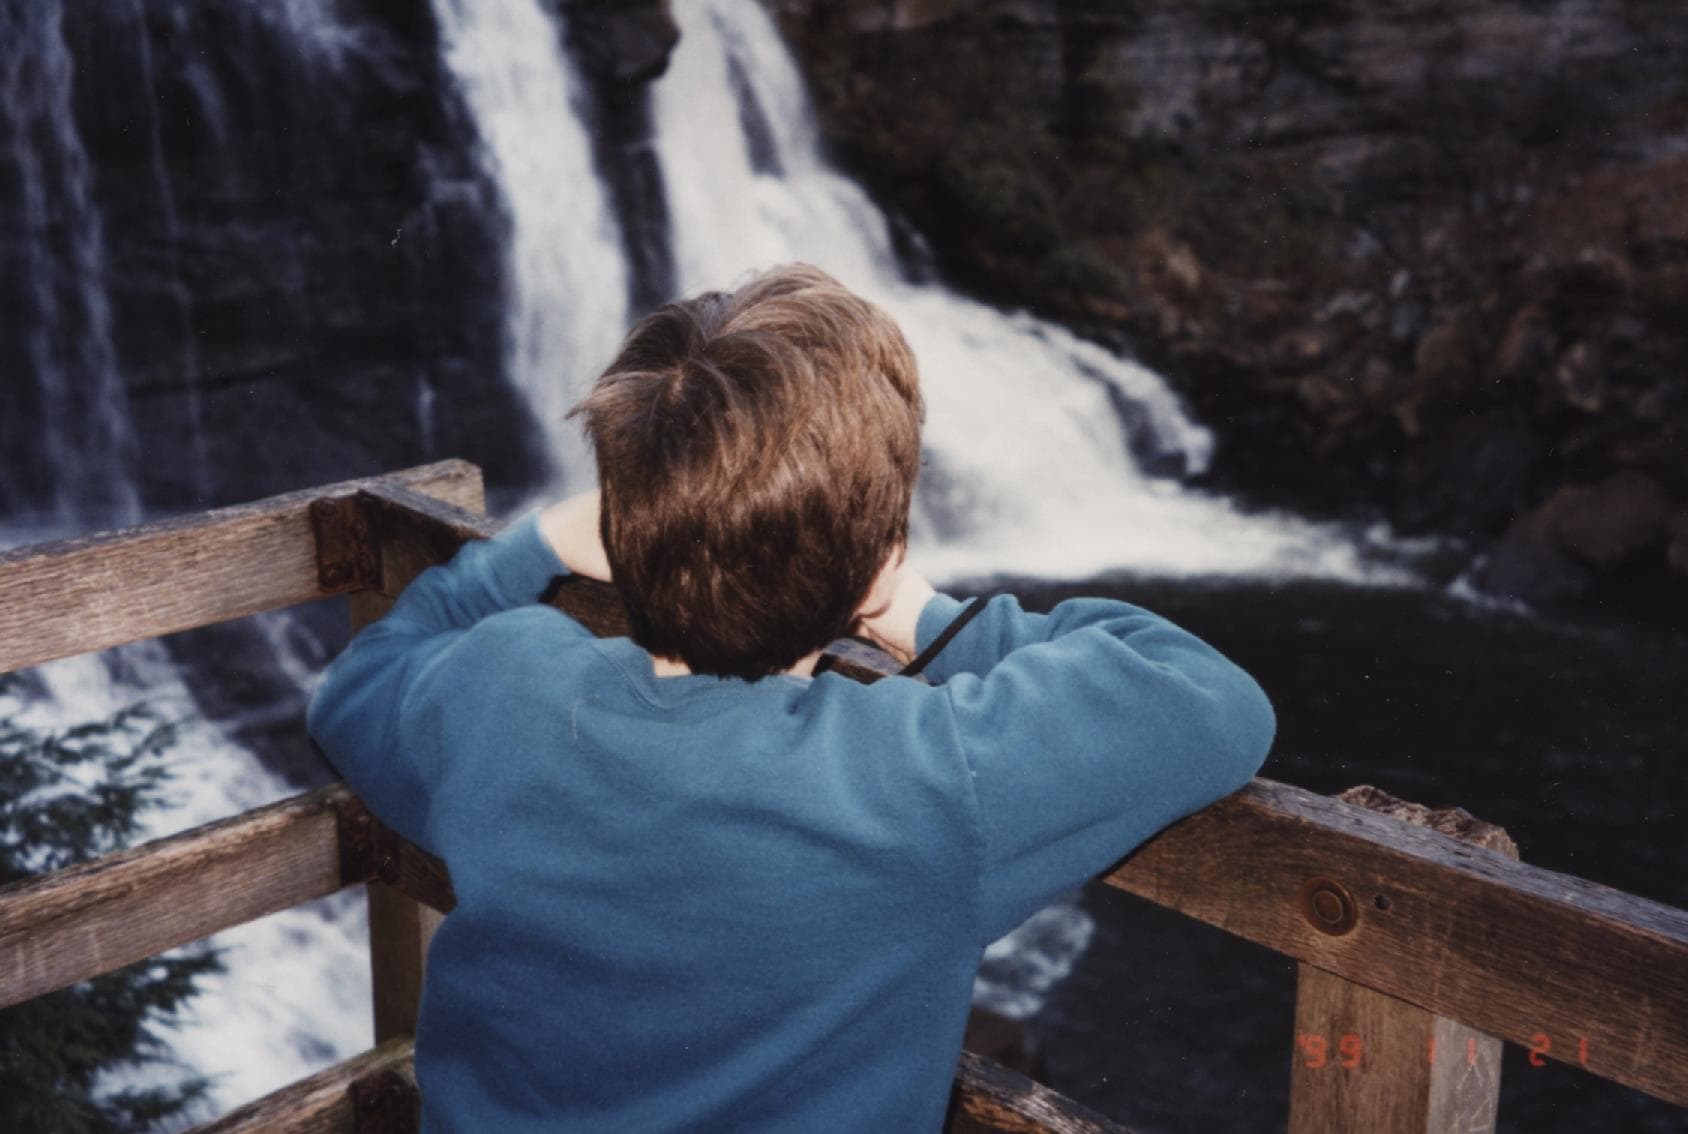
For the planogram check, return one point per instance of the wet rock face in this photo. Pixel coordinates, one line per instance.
(624, 41)
(621, 46)
(1428, 258)
(1580, 533)
(299, 257)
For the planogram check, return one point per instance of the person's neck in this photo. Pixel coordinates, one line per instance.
(674, 667)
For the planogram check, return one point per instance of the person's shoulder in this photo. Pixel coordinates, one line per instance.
(536, 621)
(521, 640)
(897, 704)
(896, 730)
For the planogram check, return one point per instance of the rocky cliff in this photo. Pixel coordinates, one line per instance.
(270, 233)
(1424, 256)
(254, 246)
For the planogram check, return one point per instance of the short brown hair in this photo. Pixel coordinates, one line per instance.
(757, 453)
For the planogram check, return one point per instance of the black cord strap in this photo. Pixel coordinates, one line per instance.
(968, 613)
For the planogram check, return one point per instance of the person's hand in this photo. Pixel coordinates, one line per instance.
(892, 612)
(571, 528)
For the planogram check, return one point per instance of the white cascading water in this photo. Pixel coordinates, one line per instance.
(69, 333)
(1029, 470)
(567, 285)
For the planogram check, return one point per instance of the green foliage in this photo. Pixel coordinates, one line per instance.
(1261, 219)
(1001, 164)
(66, 798)
(1080, 269)
(1126, 185)
(1002, 193)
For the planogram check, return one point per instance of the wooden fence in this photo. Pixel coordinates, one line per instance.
(1419, 934)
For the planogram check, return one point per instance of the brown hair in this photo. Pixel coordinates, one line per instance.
(757, 452)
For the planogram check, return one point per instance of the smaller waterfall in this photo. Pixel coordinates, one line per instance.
(568, 281)
(1018, 971)
(57, 295)
(1046, 455)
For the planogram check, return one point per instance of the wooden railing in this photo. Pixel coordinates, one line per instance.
(1427, 946)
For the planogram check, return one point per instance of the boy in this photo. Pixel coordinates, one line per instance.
(700, 887)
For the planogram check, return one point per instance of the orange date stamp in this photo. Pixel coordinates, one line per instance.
(1317, 1051)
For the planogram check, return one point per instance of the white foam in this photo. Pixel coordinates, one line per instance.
(567, 281)
(295, 995)
(1032, 469)
(1019, 970)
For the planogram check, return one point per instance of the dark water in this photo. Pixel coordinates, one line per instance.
(1571, 736)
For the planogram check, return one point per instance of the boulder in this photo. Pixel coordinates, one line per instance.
(1558, 550)
(1604, 524)
(622, 41)
(1447, 353)
(1527, 565)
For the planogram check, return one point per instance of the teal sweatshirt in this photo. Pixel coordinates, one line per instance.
(697, 903)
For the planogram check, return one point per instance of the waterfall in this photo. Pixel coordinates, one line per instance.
(181, 299)
(295, 993)
(57, 294)
(568, 281)
(1046, 455)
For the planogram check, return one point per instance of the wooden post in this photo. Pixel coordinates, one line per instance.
(399, 933)
(990, 1099)
(399, 928)
(1367, 1061)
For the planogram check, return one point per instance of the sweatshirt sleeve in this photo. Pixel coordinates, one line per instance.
(356, 711)
(1087, 730)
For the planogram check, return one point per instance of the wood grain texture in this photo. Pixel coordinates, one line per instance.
(354, 1097)
(989, 1099)
(91, 919)
(371, 851)
(376, 1093)
(595, 605)
(75, 596)
(1365, 1060)
(415, 531)
(1462, 931)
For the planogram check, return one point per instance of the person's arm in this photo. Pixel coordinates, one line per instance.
(1087, 730)
(356, 710)
(573, 528)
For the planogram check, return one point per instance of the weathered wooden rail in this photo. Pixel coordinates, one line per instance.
(1426, 948)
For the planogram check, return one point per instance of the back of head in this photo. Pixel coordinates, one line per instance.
(757, 453)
